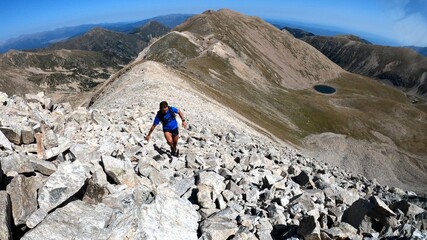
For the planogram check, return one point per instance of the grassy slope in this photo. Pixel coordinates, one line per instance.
(363, 105)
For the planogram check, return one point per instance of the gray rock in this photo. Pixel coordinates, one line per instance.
(410, 210)
(380, 208)
(309, 228)
(302, 179)
(94, 193)
(183, 185)
(157, 178)
(44, 167)
(23, 195)
(61, 185)
(204, 196)
(50, 140)
(27, 135)
(67, 223)
(5, 216)
(355, 214)
(99, 119)
(85, 152)
(213, 180)
(217, 228)
(55, 151)
(3, 97)
(252, 196)
(98, 175)
(16, 162)
(342, 231)
(4, 142)
(12, 133)
(167, 215)
(121, 171)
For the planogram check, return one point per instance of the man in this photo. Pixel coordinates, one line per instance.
(166, 115)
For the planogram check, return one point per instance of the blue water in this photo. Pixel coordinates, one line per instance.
(324, 89)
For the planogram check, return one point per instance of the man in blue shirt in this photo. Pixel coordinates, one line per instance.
(167, 116)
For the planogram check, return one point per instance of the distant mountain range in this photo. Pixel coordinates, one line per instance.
(401, 66)
(43, 39)
(75, 65)
(420, 50)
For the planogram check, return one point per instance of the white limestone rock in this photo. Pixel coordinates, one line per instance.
(61, 185)
(76, 220)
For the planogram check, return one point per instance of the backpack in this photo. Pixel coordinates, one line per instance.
(162, 116)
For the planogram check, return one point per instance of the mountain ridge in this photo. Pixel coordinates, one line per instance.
(43, 39)
(399, 66)
(231, 70)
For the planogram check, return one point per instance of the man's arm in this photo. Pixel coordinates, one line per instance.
(184, 122)
(149, 132)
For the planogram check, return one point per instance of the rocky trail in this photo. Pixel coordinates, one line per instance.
(89, 174)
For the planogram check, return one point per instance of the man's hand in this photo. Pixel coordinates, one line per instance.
(147, 137)
(184, 124)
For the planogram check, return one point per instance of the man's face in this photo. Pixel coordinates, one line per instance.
(164, 110)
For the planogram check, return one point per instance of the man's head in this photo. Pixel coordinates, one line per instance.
(164, 107)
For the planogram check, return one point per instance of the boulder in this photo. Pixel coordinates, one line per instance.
(217, 228)
(61, 185)
(204, 196)
(380, 208)
(183, 185)
(76, 220)
(50, 140)
(409, 209)
(302, 179)
(309, 228)
(5, 216)
(165, 216)
(16, 162)
(4, 142)
(27, 135)
(342, 231)
(213, 180)
(23, 195)
(55, 151)
(121, 171)
(13, 133)
(94, 192)
(355, 214)
(44, 167)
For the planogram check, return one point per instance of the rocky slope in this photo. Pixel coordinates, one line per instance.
(267, 76)
(97, 178)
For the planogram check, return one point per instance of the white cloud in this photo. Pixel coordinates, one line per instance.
(411, 30)
(405, 21)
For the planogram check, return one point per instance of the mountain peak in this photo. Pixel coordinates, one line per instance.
(283, 59)
(97, 31)
(354, 38)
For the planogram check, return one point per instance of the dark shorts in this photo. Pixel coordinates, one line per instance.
(174, 132)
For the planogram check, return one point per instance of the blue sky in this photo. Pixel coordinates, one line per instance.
(404, 21)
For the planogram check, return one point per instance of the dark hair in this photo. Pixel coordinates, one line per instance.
(163, 104)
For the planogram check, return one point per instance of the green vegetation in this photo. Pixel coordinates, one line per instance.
(178, 49)
(361, 105)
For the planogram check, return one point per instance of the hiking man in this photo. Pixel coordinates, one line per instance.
(166, 115)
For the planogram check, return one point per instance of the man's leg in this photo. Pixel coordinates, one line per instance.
(175, 141)
(169, 140)
(175, 137)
